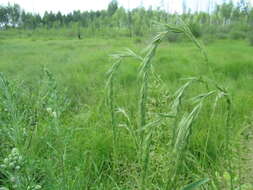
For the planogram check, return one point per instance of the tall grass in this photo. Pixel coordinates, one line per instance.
(154, 136)
(183, 131)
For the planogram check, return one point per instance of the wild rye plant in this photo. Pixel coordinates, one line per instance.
(182, 121)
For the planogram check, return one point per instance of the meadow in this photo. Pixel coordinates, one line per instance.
(91, 114)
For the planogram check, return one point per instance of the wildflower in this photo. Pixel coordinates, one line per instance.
(11, 164)
(6, 160)
(54, 114)
(14, 151)
(49, 110)
(12, 179)
(37, 187)
(15, 158)
(17, 168)
(20, 158)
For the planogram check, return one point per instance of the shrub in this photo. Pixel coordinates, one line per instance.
(237, 35)
(195, 29)
(222, 35)
(222, 32)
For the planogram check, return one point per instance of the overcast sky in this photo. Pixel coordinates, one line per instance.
(66, 6)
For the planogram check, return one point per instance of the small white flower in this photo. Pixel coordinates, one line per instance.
(11, 164)
(24, 131)
(17, 168)
(11, 157)
(37, 187)
(16, 158)
(49, 110)
(6, 160)
(20, 158)
(12, 179)
(15, 151)
(54, 114)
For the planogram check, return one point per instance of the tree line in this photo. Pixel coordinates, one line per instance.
(221, 18)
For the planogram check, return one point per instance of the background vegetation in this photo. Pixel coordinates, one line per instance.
(226, 20)
(159, 115)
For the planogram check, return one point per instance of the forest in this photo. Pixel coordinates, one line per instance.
(226, 20)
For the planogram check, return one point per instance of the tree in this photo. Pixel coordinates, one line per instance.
(15, 14)
(3, 16)
(226, 11)
(112, 7)
(49, 19)
(59, 18)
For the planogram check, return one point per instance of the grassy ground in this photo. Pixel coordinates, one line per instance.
(61, 123)
(22, 59)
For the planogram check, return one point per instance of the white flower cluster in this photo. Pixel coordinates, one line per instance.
(13, 161)
(52, 113)
(12, 165)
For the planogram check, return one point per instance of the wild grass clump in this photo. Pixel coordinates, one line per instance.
(196, 148)
(237, 35)
(23, 111)
(195, 29)
(180, 134)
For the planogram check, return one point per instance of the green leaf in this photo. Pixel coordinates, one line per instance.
(196, 184)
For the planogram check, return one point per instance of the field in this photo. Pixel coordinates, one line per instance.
(55, 109)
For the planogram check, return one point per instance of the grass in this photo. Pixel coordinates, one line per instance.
(71, 137)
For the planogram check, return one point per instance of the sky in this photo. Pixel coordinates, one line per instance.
(66, 6)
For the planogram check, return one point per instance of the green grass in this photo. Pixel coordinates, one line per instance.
(82, 65)
(78, 149)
